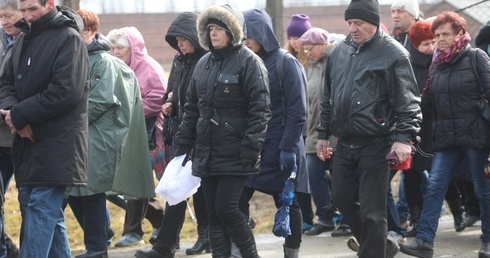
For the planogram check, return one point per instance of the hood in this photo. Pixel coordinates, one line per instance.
(183, 26)
(60, 16)
(227, 14)
(99, 43)
(259, 28)
(137, 43)
(483, 37)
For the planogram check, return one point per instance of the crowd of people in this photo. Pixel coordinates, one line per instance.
(339, 115)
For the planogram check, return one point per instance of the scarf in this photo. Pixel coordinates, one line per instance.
(445, 56)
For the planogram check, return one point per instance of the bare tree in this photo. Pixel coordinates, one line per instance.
(275, 9)
(73, 4)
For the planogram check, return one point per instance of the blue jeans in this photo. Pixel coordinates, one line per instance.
(444, 165)
(392, 215)
(401, 204)
(319, 185)
(43, 231)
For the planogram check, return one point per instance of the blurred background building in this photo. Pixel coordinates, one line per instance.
(152, 17)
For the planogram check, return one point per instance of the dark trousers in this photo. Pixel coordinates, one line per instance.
(136, 211)
(304, 201)
(173, 221)
(222, 194)
(359, 187)
(90, 212)
(293, 241)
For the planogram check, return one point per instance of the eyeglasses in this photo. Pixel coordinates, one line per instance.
(309, 49)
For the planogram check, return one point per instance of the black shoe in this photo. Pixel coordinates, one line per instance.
(93, 254)
(12, 250)
(317, 229)
(419, 248)
(412, 230)
(484, 250)
(149, 254)
(392, 248)
(471, 220)
(342, 231)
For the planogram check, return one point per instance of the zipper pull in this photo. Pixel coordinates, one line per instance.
(29, 61)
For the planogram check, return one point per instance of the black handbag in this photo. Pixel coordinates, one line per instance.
(482, 104)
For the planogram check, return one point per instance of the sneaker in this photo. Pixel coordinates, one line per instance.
(130, 239)
(396, 238)
(353, 244)
(341, 231)
(317, 229)
(306, 226)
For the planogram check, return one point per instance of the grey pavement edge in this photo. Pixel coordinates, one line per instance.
(448, 244)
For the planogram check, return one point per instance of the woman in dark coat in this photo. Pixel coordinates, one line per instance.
(225, 121)
(458, 130)
(181, 36)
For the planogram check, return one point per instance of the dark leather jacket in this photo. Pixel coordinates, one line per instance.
(370, 93)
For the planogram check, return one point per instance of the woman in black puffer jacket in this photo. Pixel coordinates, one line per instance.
(225, 121)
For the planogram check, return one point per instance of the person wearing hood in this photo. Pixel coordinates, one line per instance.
(116, 125)
(482, 39)
(224, 124)
(181, 36)
(128, 45)
(43, 96)
(284, 147)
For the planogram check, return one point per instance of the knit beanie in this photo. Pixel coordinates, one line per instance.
(314, 36)
(298, 25)
(419, 32)
(411, 6)
(366, 10)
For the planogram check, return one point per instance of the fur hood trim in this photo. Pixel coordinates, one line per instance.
(229, 15)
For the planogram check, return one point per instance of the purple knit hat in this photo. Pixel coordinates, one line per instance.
(298, 25)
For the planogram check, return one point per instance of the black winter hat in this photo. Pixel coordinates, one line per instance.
(366, 10)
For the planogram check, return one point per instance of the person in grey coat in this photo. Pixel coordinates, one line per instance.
(225, 121)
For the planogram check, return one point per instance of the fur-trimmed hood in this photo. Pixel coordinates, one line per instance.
(229, 15)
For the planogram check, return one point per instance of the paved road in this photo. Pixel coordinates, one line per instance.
(448, 244)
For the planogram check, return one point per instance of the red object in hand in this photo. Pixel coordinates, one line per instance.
(392, 159)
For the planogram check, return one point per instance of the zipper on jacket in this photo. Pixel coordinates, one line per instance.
(233, 130)
(348, 97)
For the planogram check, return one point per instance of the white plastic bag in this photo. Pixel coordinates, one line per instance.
(177, 183)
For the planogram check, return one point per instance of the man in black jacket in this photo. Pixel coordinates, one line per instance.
(43, 96)
(371, 104)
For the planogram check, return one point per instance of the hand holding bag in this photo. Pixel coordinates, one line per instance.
(177, 183)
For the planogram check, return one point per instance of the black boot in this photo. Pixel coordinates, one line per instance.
(484, 251)
(219, 241)
(150, 254)
(244, 239)
(419, 248)
(12, 250)
(456, 207)
(202, 243)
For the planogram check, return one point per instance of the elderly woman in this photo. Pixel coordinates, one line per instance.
(458, 130)
(115, 117)
(128, 45)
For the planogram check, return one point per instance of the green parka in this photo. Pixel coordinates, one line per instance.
(118, 152)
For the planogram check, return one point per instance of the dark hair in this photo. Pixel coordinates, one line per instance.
(42, 2)
(90, 20)
(457, 22)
